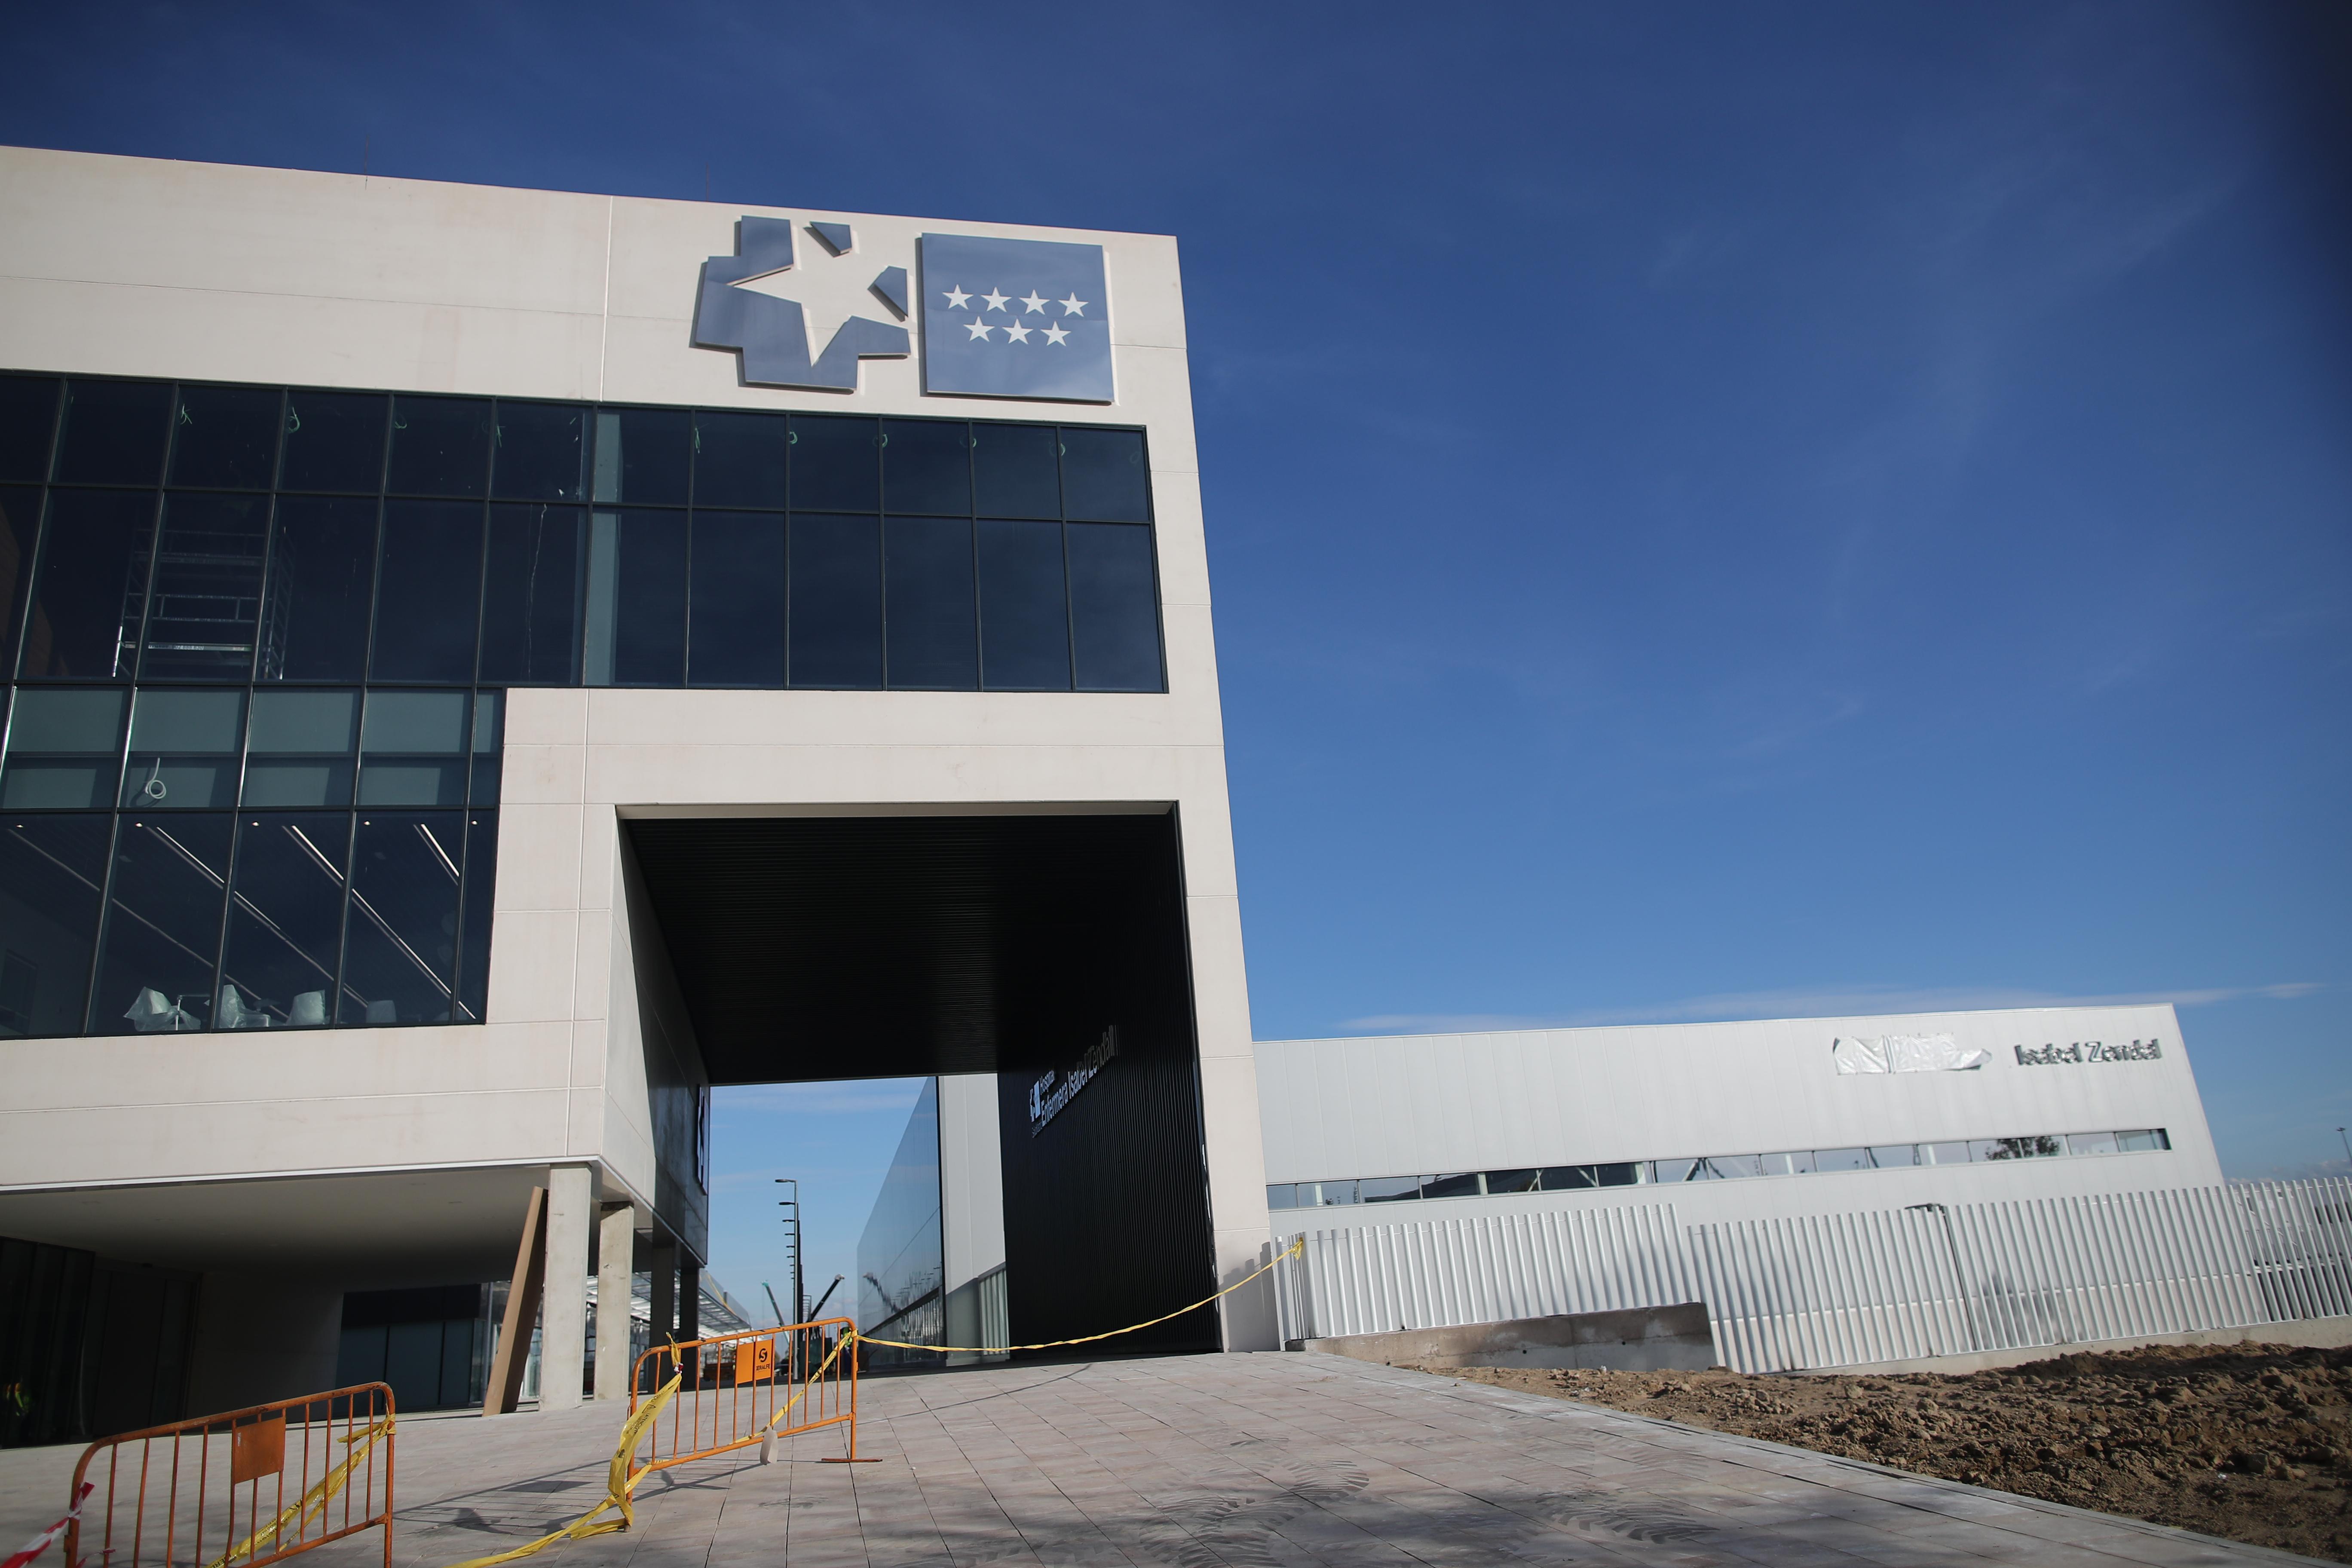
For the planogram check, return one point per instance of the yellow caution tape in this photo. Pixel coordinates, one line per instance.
(1296, 1246)
(315, 1499)
(620, 1484)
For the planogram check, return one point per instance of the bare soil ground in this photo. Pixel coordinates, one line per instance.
(2249, 1442)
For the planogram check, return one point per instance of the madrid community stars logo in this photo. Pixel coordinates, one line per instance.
(1016, 330)
(1001, 317)
(1015, 318)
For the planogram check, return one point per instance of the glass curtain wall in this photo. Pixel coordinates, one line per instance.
(258, 639)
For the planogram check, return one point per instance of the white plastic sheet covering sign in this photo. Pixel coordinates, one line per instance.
(1906, 1053)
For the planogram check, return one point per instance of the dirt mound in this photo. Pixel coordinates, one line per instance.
(2248, 1441)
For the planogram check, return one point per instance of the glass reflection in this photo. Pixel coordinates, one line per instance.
(1114, 609)
(1103, 476)
(208, 588)
(643, 455)
(429, 591)
(184, 750)
(84, 620)
(51, 871)
(837, 601)
(933, 633)
(736, 635)
(413, 749)
(162, 925)
(28, 414)
(1024, 622)
(400, 945)
(299, 751)
(440, 447)
(314, 616)
(115, 433)
(62, 749)
(225, 438)
(334, 441)
(285, 920)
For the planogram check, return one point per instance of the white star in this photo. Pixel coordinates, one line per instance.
(956, 298)
(979, 329)
(1032, 299)
(995, 301)
(1054, 335)
(1016, 334)
(1073, 306)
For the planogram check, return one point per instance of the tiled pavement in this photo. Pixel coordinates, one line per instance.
(1260, 1461)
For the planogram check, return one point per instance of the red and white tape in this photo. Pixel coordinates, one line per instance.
(40, 1543)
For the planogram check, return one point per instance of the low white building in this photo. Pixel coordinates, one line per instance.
(1732, 1120)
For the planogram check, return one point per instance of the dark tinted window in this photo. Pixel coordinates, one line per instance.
(400, 946)
(163, 924)
(51, 868)
(1025, 629)
(739, 459)
(539, 448)
(183, 749)
(115, 433)
(84, 621)
(835, 466)
(299, 749)
(322, 568)
(1014, 471)
(738, 633)
(440, 447)
(429, 591)
(286, 921)
(926, 467)
(20, 527)
(837, 592)
(481, 879)
(926, 576)
(649, 633)
(225, 438)
(334, 441)
(28, 417)
(64, 747)
(1625, 1174)
(207, 587)
(1568, 1178)
(644, 455)
(1114, 609)
(1103, 478)
(530, 595)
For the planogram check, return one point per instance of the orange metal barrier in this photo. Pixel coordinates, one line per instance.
(240, 1488)
(736, 1389)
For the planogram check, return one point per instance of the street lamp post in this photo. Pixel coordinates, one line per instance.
(1960, 1280)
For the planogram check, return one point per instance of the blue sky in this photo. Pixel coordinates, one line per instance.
(1716, 510)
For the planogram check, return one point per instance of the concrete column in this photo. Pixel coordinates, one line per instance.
(563, 1312)
(663, 1257)
(617, 1244)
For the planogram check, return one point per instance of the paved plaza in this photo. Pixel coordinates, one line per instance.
(1259, 1461)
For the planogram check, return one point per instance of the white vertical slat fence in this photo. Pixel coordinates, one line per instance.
(1483, 1269)
(1827, 1291)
